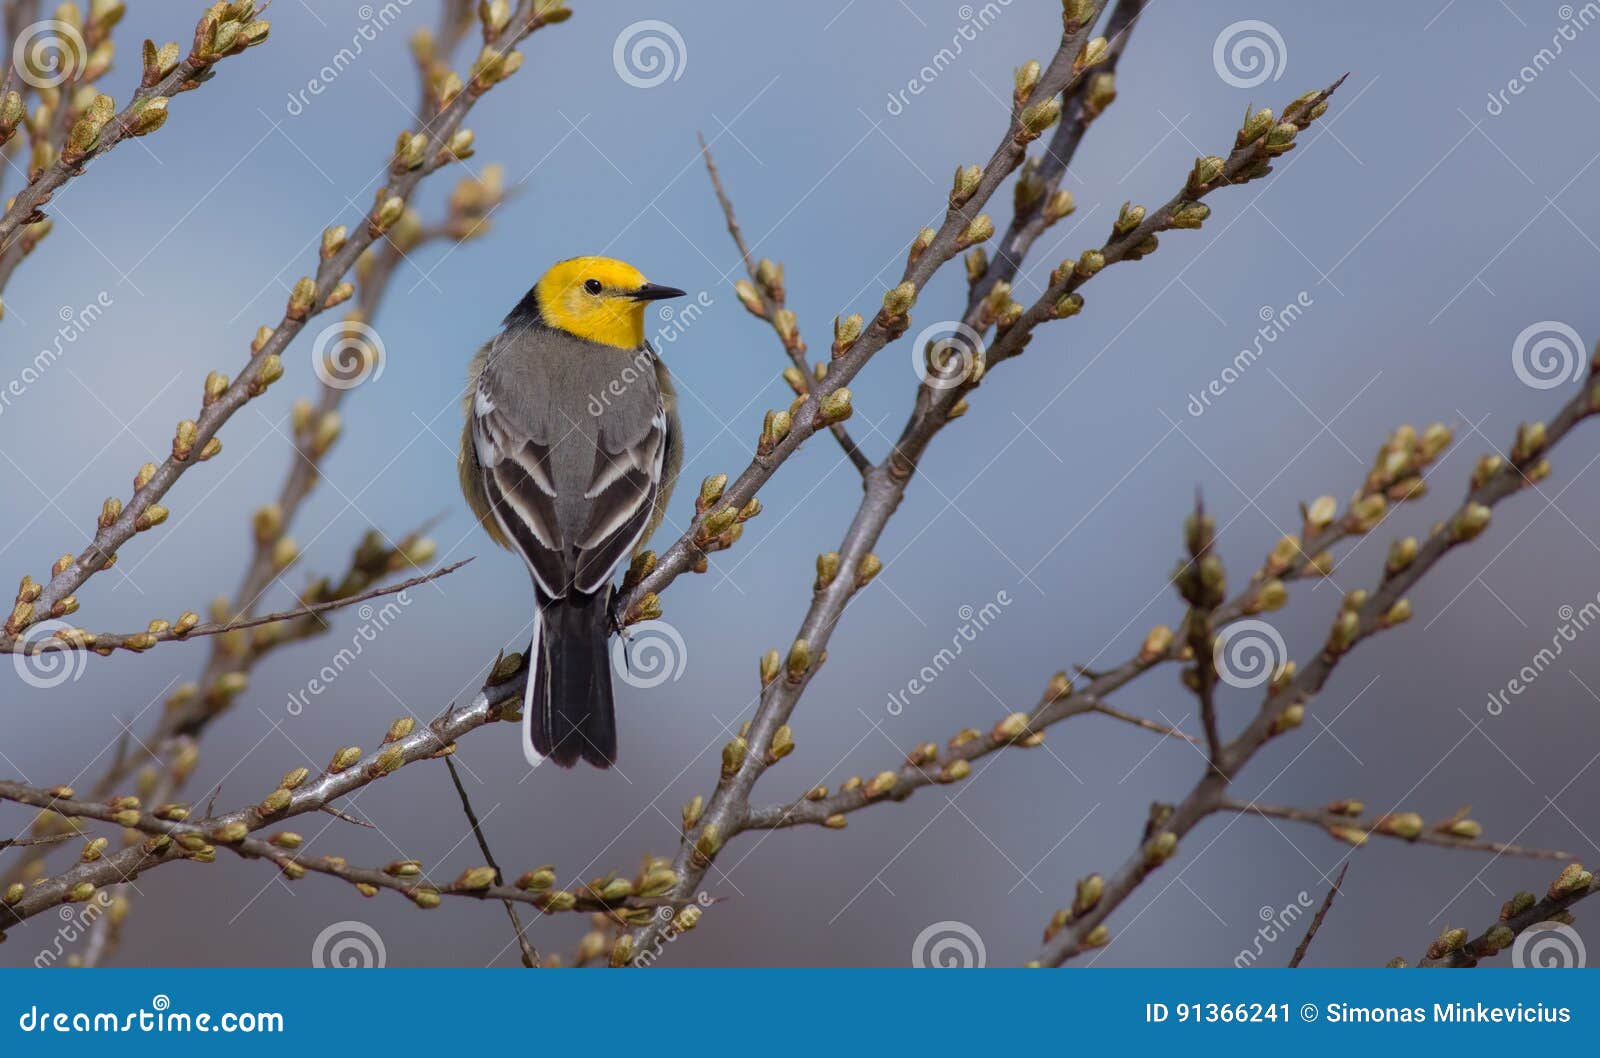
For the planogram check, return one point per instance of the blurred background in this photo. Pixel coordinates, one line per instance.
(1423, 225)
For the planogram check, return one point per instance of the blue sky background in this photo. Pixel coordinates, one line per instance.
(1424, 232)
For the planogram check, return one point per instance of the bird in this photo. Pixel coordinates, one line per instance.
(570, 449)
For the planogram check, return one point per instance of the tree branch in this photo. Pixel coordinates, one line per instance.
(1354, 829)
(1363, 615)
(1316, 920)
(429, 150)
(530, 954)
(103, 643)
(764, 297)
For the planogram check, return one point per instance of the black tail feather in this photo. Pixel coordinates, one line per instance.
(572, 712)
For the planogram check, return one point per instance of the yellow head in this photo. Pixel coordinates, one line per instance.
(598, 298)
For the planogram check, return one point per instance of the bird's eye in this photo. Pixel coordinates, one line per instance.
(592, 286)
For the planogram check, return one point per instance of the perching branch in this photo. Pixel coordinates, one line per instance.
(191, 707)
(634, 915)
(422, 153)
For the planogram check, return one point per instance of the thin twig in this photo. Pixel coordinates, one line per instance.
(105, 642)
(135, 515)
(1354, 625)
(728, 810)
(1552, 907)
(773, 302)
(530, 955)
(1316, 920)
(1356, 830)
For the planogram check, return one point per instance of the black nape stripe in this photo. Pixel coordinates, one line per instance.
(526, 313)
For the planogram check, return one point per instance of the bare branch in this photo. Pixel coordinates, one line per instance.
(764, 296)
(311, 297)
(727, 812)
(1364, 615)
(1354, 829)
(104, 643)
(1316, 920)
(1453, 949)
(530, 954)
(689, 551)
(73, 140)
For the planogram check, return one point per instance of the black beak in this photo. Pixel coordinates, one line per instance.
(655, 292)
